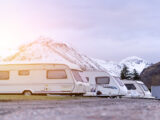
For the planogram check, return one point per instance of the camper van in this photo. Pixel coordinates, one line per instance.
(103, 84)
(137, 89)
(41, 78)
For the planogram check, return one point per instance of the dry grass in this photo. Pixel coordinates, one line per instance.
(34, 97)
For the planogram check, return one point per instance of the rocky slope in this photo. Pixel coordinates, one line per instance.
(151, 75)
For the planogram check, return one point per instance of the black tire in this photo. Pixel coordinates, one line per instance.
(27, 93)
(113, 97)
(99, 93)
(79, 95)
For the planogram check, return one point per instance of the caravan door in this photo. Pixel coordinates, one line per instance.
(59, 81)
(140, 90)
(132, 90)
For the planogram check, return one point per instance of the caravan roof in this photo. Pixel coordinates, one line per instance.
(70, 65)
(133, 81)
(96, 72)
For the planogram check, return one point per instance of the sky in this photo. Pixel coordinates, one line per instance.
(104, 29)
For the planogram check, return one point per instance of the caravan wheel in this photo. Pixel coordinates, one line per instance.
(27, 93)
(112, 97)
(119, 97)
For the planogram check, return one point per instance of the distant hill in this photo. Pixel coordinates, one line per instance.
(45, 49)
(151, 75)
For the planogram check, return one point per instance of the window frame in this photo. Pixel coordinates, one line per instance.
(75, 73)
(144, 87)
(23, 74)
(102, 77)
(8, 75)
(66, 76)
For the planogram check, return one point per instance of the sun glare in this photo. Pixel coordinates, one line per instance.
(9, 40)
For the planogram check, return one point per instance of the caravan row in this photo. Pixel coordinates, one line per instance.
(102, 84)
(49, 78)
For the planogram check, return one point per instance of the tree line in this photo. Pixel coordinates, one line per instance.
(126, 74)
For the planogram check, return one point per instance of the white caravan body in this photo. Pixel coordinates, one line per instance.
(103, 84)
(41, 78)
(137, 89)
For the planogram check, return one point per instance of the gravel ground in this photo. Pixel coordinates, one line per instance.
(81, 109)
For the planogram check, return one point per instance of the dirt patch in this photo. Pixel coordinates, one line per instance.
(82, 109)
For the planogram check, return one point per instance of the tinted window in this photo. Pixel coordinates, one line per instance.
(4, 75)
(102, 80)
(130, 86)
(23, 72)
(77, 75)
(144, 87)
(56, 74)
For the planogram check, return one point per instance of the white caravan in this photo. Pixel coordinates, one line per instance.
(137, 89)
(103, 84)
(41, 78)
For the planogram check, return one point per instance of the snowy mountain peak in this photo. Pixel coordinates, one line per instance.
(44, 41)
(135, 62)
(133, 59)
(131, 62)
(44, 49)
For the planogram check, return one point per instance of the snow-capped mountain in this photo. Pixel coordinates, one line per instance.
(44, 49)
(135, 63)
(131, 62)
(112, 67)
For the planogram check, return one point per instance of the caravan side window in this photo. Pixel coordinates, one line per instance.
(23, 72)
(56, 74)
(102, 80)
(4, 75)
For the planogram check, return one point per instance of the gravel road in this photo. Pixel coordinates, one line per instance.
(81, 109)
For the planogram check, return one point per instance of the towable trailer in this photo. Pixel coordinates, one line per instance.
(41, 78)
(103, 84)
(137, 89)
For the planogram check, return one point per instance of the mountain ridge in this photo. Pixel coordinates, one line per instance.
(133, 62)
(45, 49)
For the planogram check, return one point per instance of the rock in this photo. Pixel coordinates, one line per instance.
(151, 75)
